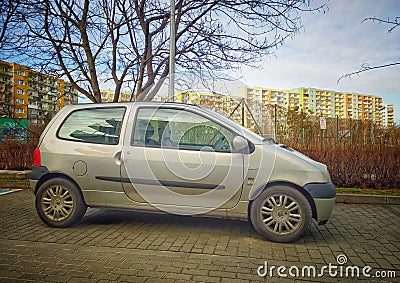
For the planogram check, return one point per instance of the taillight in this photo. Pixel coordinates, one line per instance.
(36, 157)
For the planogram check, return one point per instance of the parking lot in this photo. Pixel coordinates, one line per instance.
(112, 245)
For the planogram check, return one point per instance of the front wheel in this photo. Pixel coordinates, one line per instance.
(281, 214)
(59, 203)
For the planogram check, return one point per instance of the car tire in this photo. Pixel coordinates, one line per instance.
(281, 214)
(59, 203)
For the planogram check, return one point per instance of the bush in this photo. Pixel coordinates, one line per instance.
(368, 166)
(16, 155)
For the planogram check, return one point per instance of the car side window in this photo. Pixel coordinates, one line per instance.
(180, 129)
(93, 125)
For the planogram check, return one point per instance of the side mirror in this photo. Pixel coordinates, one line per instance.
(240, 143)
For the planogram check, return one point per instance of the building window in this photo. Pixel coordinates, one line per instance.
(20, 101)
(20, 110)
(20, 73)
(20, 91)
(20, 82)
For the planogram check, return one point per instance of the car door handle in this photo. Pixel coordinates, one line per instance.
(118, 158)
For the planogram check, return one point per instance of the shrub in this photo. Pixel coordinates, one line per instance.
(369, 166)
(16, 155)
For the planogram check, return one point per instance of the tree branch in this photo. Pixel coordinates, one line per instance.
(365, 67)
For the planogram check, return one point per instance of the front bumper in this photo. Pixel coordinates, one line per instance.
(321, 190)
(324, 195)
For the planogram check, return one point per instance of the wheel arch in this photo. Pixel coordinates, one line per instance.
(49, 176)
(288, 184)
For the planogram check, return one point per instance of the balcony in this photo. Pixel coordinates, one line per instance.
(33, 106)
(32, 116)
(6, 73)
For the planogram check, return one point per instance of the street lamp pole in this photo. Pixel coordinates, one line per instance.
(171, 89)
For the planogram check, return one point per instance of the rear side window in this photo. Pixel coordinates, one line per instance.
(94, 125)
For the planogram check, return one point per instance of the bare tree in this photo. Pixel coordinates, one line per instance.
(127, 41)
(395, 23)
(8, 21)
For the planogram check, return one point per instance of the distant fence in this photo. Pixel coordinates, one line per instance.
(295, 126)
(358, 154)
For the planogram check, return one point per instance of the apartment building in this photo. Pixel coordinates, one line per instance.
(223, 104)
(268, 106)
(325, 103)
(388, 115)
(28, 94)
(108, 96)
(125, 96)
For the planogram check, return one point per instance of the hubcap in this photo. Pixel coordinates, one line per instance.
(57, 203)
(281, 214)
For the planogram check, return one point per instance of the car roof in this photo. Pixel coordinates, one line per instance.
(142, 103)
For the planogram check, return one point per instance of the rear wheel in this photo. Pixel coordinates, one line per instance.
(281, 214)
(59, 203)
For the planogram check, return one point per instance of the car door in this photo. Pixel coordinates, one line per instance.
(178, 157)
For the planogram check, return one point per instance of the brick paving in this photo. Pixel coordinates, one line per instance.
(125, 246)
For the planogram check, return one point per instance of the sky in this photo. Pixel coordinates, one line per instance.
(335, 43)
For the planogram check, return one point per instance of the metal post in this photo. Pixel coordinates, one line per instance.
(302, 127)
(337, 128)
(275, 124)
(171, 90)
(372, 133)
(351, 131)
(243, 112)
(372, 127)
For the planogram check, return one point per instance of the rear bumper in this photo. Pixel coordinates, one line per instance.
(37, 172)
(35, 175)
(32, 185)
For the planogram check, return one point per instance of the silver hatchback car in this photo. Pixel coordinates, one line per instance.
(175, 158)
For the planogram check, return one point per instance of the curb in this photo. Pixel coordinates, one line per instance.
(19, 175)
(22, 176)
(20, 179)
(367, 199)
(14, 185)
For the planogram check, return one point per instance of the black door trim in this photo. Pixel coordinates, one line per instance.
(161, 183)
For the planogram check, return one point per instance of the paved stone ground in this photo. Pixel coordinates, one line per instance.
(121, 246)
